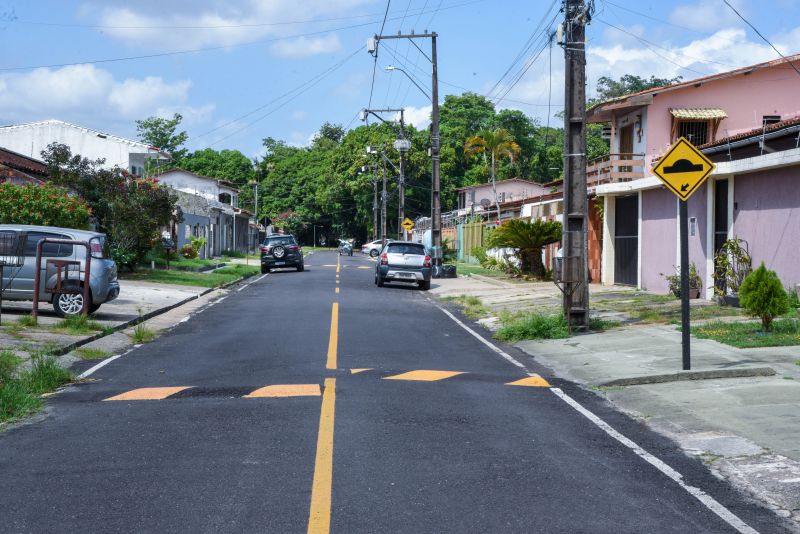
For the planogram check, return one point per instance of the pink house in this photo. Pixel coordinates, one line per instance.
(640, 239)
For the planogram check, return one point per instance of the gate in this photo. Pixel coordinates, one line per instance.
(626, 240)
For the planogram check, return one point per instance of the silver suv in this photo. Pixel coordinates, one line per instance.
(103, 286)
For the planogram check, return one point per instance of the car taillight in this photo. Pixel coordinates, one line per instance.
(294, 247)
(97, 249)
(264, 249)
(426, 262)
(384, 259)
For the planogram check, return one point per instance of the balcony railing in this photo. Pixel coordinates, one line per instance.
(615, 168)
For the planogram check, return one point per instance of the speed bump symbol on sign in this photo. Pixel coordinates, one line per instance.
(408, 224)
(683, 169)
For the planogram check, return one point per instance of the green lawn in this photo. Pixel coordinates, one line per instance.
(749, 335)
(187, 278)
(648, 308)
(474, 268)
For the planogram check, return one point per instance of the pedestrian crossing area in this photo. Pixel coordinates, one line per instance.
(315, 390)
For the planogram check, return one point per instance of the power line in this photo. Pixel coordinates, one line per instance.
(375, 55)
(760, 35)
(212, 48)
(653, 18)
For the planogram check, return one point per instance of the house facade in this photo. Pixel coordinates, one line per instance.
(30, 139)
(640, 217)
(210, 210)
(19, 169)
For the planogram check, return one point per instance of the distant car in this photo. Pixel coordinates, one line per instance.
(279, 251)
(373, 248)
(404, 261)
(103, 285)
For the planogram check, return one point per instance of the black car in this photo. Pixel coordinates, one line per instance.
(279, 251)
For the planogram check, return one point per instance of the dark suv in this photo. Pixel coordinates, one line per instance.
(279, 251)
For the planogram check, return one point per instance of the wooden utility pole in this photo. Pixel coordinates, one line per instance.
(574, 243)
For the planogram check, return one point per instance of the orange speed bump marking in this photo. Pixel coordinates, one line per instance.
(356, 371)
(424, 376)
(147, 393)
(286, 390)
(531, 381)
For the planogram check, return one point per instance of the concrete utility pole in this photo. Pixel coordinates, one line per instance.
(575, 236)
(436, 208)
(383, 204)
(374, 208)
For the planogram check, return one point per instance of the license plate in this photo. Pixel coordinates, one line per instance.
(280, 263)
(407, 275)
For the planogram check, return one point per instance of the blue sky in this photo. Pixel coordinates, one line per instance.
(249, 69)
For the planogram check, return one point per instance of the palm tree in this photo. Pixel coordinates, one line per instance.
(496, 143)
(528, 238)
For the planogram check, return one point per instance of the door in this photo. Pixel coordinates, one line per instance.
(626, 145)
(720, 222)
(626, 240)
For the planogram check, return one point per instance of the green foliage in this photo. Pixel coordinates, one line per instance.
(674, 280)
(198, 243)
(89, 353)
(129, 210)
(762, 295)
(27, 320)
(142, 334)
(793, 299)
(533, 326)
(161, 133)
(732, 264)
(46, 204)
(479, 253)
(8, 365)
(188, 251)
(608, 88)
(76, 325)
(527, 238)
(785, 332)
(45, 375)
(17, 402)
(229, 165)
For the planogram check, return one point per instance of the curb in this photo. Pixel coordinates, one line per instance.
(122, 326)
(690, 375)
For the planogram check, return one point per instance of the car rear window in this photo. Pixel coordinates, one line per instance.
(404, 248)
(49, 250)
(283, 240)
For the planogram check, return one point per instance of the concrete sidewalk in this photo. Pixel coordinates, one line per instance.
(747, 428)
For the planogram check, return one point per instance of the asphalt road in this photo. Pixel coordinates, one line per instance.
(345, 440)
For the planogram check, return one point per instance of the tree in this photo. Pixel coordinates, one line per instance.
(763, 296)
(128, 209)
(528, 238)
(608, 88)
(497, 144)
(45, 204)
(160, 133)
(331, 132)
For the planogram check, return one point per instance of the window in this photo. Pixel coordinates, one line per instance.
(282, 240)
(49, 250)
(405, 248)
(696, 132)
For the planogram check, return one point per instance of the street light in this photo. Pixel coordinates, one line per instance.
(392, 67)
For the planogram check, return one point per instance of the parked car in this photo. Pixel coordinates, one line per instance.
(404, 261)
(279, 251)
(373, 248)
(103, 285)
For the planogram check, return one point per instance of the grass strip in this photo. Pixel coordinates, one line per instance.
(785, 332)
(216, 278)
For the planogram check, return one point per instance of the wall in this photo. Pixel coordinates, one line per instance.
(767, 216)
(659, 242)
(31, 139)
(745, 99)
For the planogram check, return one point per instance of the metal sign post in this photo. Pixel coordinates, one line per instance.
(683, 169)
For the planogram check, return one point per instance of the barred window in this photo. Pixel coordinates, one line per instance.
(696, 132)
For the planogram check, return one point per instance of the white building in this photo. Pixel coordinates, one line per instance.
(30, 139)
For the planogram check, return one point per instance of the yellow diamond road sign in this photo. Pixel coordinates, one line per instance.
(408, 224)
(683, 169)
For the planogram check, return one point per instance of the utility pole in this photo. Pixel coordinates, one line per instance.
(383, 205)
(574, 243)
(374, 207)
(436, 208)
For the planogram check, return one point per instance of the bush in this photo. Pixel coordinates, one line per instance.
(45, 375)
(674, 280)
(479, 253)
(44, 204)
(233, 254)
(534, 326)
(762, 295)
(188, 251)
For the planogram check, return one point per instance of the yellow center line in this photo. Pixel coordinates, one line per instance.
(319, 517)
(338, 264)
(333, 340)
(337, 289)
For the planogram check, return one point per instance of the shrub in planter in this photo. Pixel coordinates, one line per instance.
(674, 281)
(188, 251)
(763, 296)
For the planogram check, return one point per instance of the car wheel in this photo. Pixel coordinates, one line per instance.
(68, 304)
(264, 269)
(424, 285)
(380, 281)
(301, 268)
(93, 308)
(373, 253)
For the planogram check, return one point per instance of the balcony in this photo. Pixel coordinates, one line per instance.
(614, 168)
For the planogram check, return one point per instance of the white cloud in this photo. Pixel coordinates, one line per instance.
(307, 46)
(184, 24)
(299, 115)
(419, 117)
(84, 93)
(706, 15)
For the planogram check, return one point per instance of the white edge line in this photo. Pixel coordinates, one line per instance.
(100, 365)
(485, 342)
(709, 502)
(253, 282)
